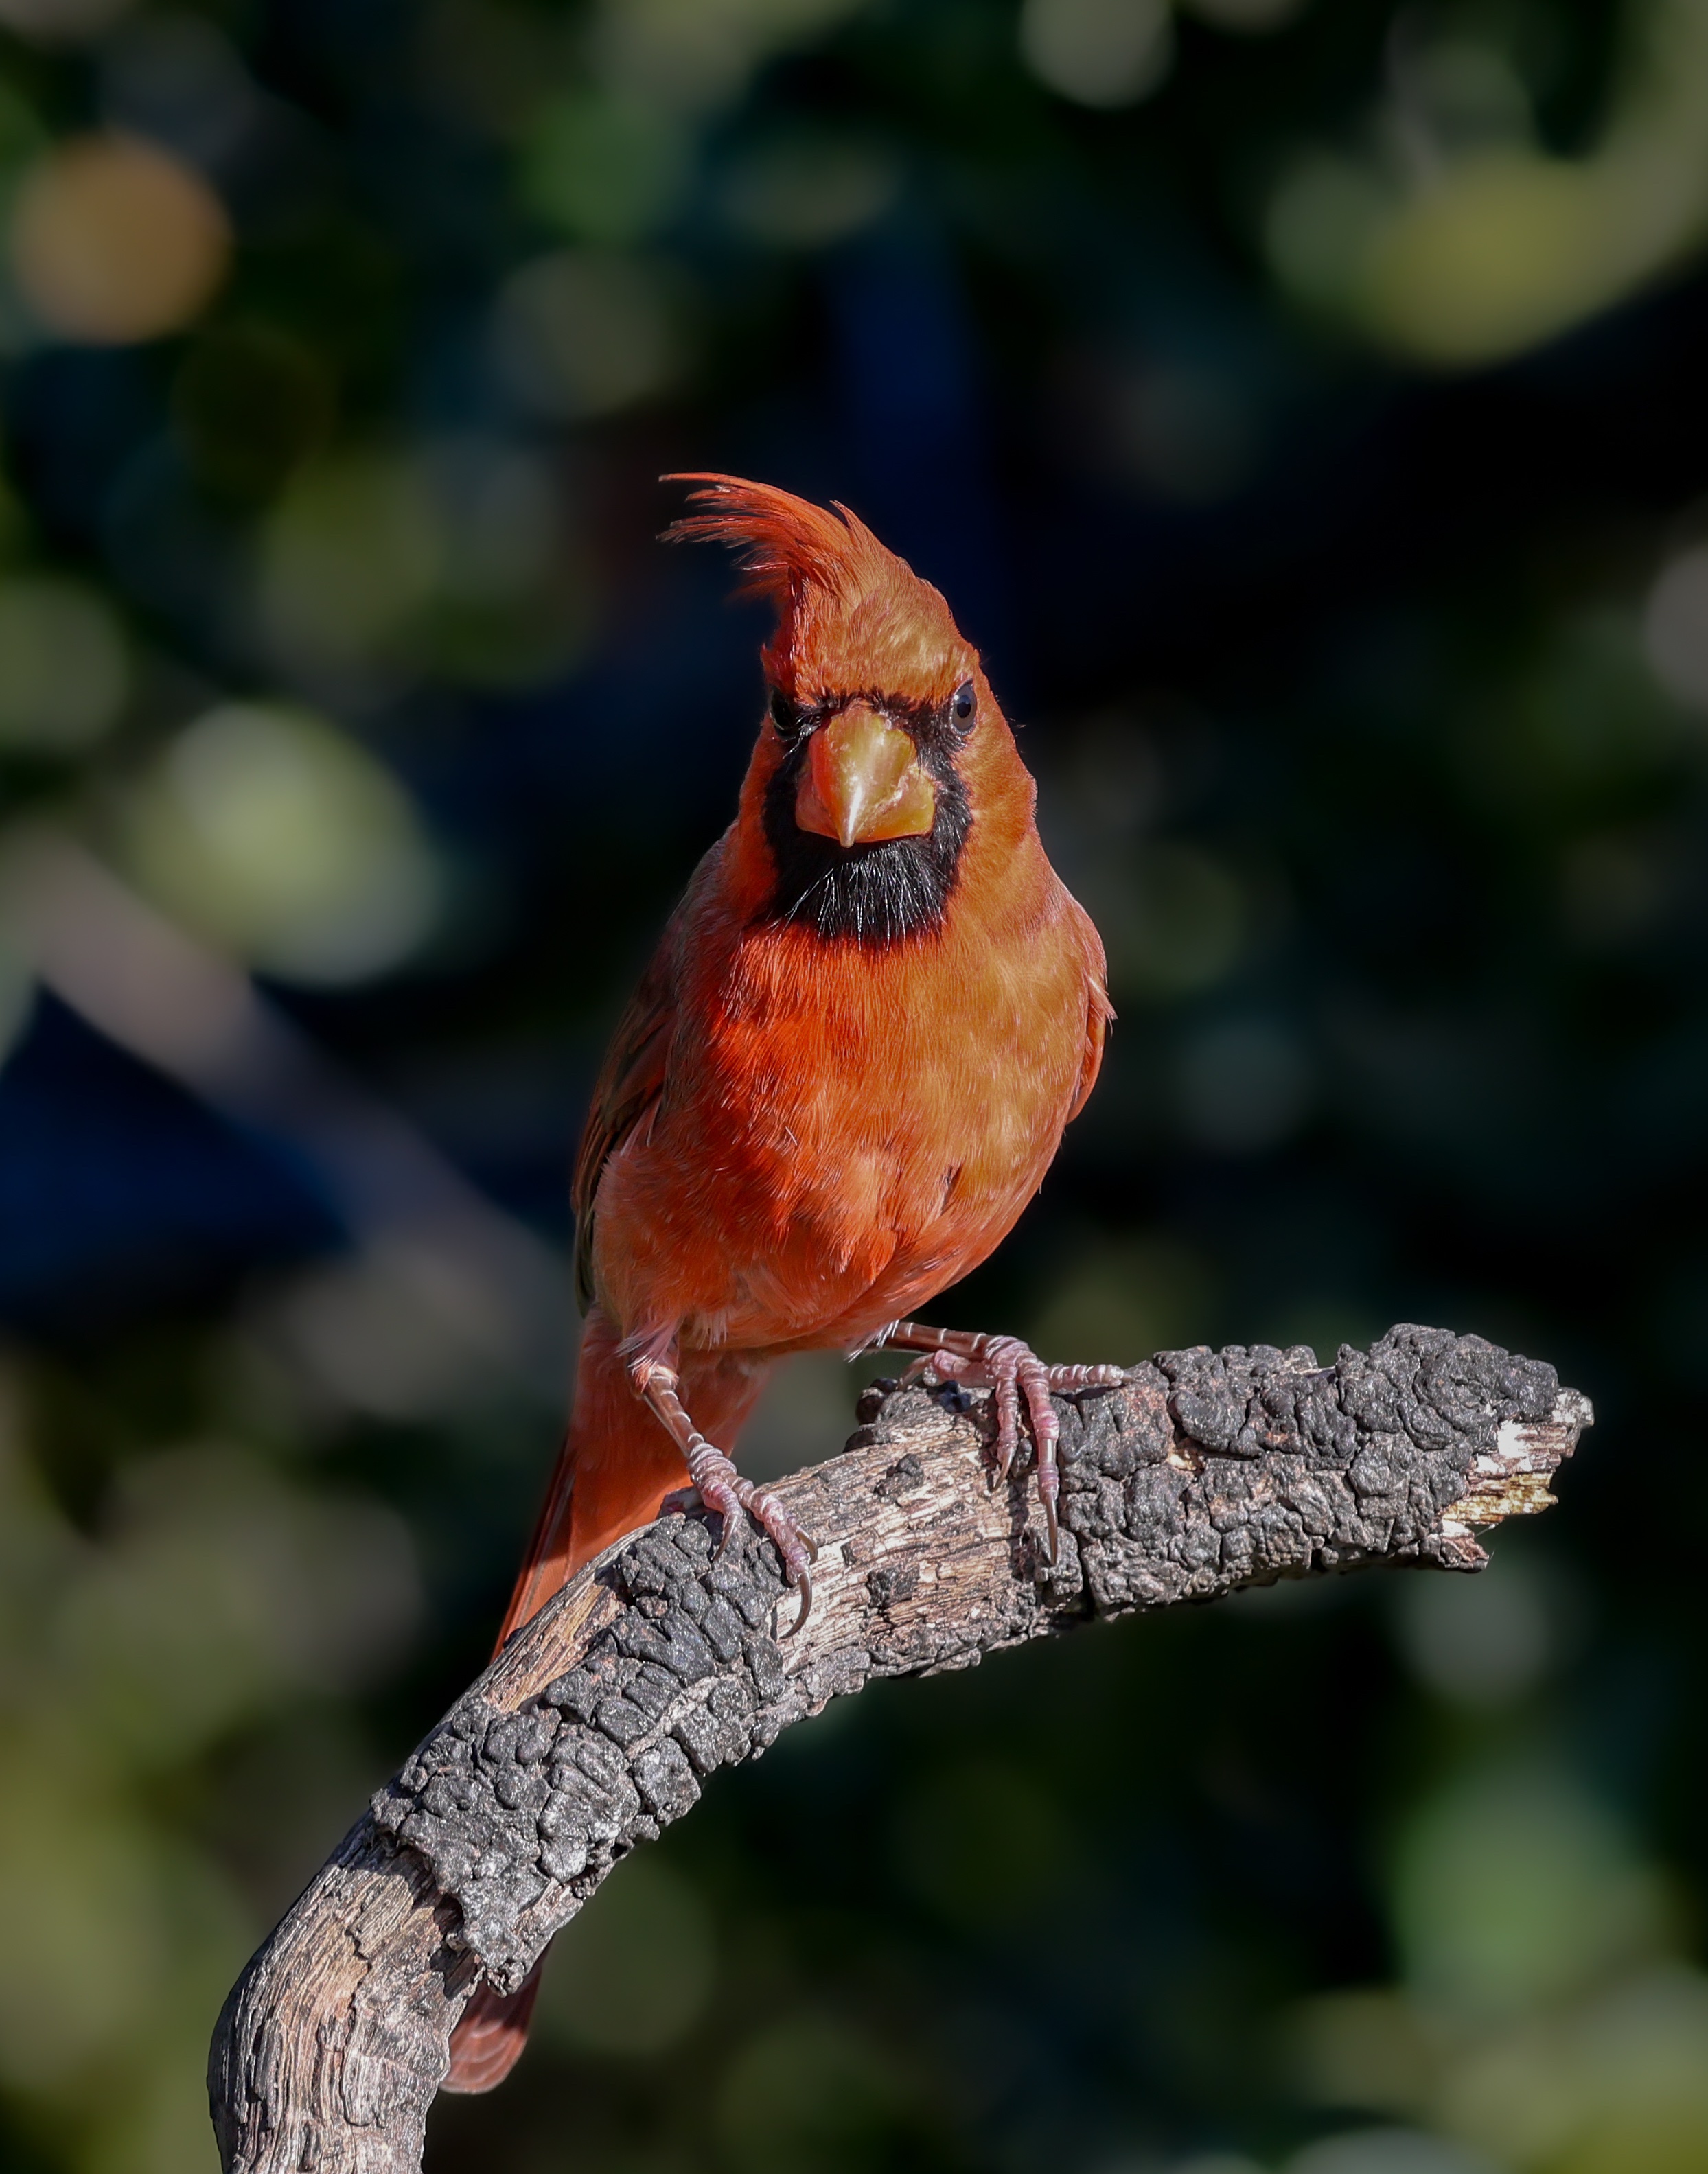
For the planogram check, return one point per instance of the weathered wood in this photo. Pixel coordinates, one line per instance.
(600, 1721)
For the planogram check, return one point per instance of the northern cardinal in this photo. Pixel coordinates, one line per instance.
(841, 1079)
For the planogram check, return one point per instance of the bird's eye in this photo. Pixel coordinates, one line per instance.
(788, 720)
(962, 706)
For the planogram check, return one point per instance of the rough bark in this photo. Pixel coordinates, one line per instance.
(603, 1718)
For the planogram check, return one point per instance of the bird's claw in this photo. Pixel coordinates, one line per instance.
(1016, 1375)
(722, 1487)
(723, 1490)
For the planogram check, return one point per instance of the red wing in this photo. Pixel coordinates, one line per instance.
(1098, 1011)
(629, 1083)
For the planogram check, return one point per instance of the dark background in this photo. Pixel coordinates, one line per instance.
(1303, 405)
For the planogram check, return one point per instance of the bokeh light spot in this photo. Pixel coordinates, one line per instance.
(114, 240)
(1098, 52)
(270, 829)
(1322, 217)
(1177, 925)
(1482, 1641)
(1455, 236)
(1675, 627)
(1514, 1885)
(1637, 2083)
(605, 168)
(375, 1334)
(82, 1925)
(695, 56)
(216, 1584)
(580, 334)
(1500, 256)
(1364, 2048)
(353, 552)
(64, 667)
(805, 188)
(61, 22)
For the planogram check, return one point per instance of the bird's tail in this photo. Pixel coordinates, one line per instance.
(616, 1466)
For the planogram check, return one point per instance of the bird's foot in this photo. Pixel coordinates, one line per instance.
(723, 1490)
(1016, 1375)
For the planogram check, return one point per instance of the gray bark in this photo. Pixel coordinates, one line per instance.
(602, 1719)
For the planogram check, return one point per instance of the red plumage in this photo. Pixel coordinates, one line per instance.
(826, 1104)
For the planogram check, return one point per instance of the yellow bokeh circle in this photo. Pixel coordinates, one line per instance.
(114, 240)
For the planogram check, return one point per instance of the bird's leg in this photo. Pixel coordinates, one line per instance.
(1016, 1374)
(721, 1485)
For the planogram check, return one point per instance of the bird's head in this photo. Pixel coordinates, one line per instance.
(883, 746)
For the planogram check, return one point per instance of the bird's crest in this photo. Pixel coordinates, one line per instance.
(852, 616)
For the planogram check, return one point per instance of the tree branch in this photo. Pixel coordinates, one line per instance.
(599, 1722)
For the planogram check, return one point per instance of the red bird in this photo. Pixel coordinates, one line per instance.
(841, 1079)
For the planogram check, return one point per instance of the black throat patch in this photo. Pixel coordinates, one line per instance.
(878, 894)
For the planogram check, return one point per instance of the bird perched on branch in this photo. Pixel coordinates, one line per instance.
(841, 1079)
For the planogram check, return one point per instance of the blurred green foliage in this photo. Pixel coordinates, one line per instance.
(1300, 400)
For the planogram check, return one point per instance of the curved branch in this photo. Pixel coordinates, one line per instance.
(661, 1662)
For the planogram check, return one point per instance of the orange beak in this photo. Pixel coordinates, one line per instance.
(862, 782)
